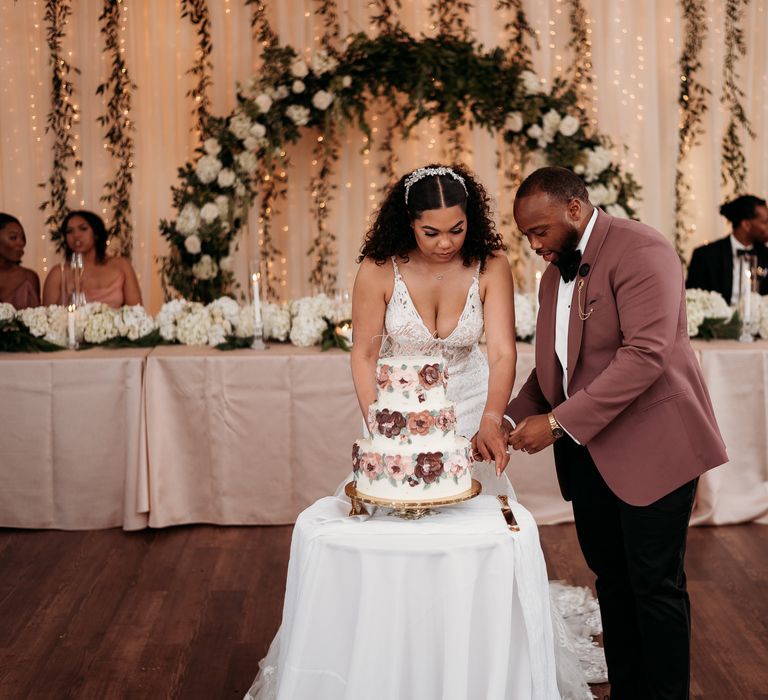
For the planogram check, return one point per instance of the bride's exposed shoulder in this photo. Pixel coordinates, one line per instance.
(496, 272)
(375, 276)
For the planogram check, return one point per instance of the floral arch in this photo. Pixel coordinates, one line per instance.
(244, 155)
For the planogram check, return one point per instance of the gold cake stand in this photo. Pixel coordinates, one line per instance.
(408, 510)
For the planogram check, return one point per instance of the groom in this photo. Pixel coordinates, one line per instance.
(619, 392)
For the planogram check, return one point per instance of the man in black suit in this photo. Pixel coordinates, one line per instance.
(715, 266)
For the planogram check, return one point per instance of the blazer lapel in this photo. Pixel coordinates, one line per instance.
(726, 268)
(580, 301)
(548, 370)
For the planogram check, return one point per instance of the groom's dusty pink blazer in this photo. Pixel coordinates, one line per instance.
(637, 398)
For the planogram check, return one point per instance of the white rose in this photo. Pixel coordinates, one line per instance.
(611, 195)
(569, 126)
(598, 159)
(209, 213)
(322, 99)
(597, 194)
(299, 69)
(617, 210)
(212, 147)
(247, 161)
(189, 219)
(207, 169)
(193, 244)
(514, 122)
(226, 178)
(323, 62)
(251, 143)
(280, 92)
(346, 81)
(205, 268)
(550, 121)
(578, 169)
(227, 263)
(258, 130)
(263, 102)
(7, 312)
(298, 87)
(222, 204)
(298, 115)
(535, 131)
(240, 125)
(531, 82)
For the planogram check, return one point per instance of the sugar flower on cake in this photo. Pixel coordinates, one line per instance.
(390, 423)
(404, 378)
(383, 378)
(356, 455)
(371, 465)
(398, 467)
(420, 423)
(429, 466)
(445, 420)
(456, 464)
(430, 376)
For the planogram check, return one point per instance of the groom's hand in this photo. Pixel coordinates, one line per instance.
(532, 434)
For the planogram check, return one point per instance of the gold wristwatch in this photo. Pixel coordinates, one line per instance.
(555, 427)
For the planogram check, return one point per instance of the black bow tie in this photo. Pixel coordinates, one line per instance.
(745, 251)
(568, 264)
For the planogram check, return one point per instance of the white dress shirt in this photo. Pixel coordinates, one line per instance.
(736, 284)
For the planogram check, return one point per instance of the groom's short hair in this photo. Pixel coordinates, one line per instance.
(559, 183)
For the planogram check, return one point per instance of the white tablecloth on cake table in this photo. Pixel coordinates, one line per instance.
(449, 607)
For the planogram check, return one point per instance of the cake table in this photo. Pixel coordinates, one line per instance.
(448, 607)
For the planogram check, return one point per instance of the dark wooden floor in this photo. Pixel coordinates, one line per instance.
(188, 612)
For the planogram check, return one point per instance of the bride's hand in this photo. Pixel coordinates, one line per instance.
(490, 443)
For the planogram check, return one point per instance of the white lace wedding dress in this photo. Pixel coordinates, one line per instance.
(575, 614)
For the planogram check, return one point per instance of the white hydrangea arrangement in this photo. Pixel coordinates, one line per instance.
(7, 312)
(701, 305)
(309, 316)
(276, 319)
(525, 316)
(99, 323)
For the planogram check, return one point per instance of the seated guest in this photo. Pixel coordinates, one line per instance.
(715, 267)
(19, 286)
(105, 279)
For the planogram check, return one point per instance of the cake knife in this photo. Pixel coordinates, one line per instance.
(506, 511)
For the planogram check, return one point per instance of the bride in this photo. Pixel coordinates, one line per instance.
(433, 269)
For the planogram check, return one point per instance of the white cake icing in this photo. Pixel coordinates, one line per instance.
(414, 453)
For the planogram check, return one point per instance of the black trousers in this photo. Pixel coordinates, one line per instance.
(636, 553)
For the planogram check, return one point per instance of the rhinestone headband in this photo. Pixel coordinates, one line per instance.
(417, 175)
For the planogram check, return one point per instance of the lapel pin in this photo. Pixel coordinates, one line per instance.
(584, 270)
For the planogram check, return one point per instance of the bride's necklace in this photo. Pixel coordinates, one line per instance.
(439, 276)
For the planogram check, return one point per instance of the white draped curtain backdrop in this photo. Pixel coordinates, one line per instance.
(635, 45)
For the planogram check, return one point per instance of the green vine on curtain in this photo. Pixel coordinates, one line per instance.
(61, 118)
(450, 17)
(692, 100)
(518, 30)
(734, 166)
(197, 11)
(580, 70)
(384, 14)
(119, 130)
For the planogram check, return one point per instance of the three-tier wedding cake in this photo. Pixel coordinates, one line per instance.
(413, 453)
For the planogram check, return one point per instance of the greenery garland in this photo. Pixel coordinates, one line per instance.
(384, 16)
(450, 17)
(119, 128)
(734, 166)
(692, 100)
(580, 70)
(444, 77)
(61, 117)
(197, 11)
(519, 30)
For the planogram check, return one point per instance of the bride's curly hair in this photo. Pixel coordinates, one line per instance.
(391, 232)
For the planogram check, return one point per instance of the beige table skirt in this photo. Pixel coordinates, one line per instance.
(95, 439)
(73, 444)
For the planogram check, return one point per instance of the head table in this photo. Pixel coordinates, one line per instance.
(172, 435)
